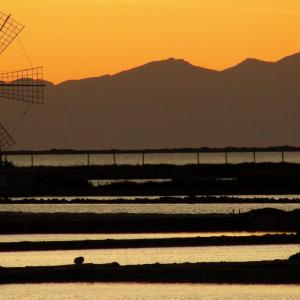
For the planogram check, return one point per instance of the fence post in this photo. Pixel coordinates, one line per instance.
(88, 159)
(226, 157)
(254, 157)
(198, 158)
(114, 158)
(282, 156)
(31, 160)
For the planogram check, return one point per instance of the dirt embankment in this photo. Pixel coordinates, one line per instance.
(268, 272)
(265, 178)
(277, 239)
(257, 220)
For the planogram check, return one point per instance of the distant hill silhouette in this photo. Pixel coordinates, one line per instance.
(168, 103)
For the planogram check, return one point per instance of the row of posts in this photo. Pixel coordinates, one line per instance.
(143, 158)
(198, 158)
(115, 159)
(254, 157)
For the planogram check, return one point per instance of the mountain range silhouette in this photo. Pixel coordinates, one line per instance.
(167, 104)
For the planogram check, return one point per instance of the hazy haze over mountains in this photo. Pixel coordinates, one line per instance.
(167, 104)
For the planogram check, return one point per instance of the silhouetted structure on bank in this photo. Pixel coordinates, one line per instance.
(24, 85)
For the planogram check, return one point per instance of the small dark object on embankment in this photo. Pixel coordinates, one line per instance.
(79, 260)
(267, 272)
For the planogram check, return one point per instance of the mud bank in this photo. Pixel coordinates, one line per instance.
(265, 178)
(267, 272)
(266, 219)
(278, 239)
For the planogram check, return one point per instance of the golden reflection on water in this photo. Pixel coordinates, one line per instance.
(153, 158)
(126, 291)
(143, 208)
(150, 255)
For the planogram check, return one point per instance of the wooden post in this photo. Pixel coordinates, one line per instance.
(198, 158)
(254, 157)
(282, 156)
(114, 158)
(88, 159)
(31, 160)
(226, 157)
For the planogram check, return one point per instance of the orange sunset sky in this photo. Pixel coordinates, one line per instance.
(74, 39)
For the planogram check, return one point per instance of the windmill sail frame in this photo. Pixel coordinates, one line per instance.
(23, 85)
(9, 30)
(6, 141)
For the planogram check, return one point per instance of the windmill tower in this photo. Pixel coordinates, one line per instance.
(24, 85)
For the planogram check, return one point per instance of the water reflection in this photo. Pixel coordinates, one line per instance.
(104, 182)
(150, 255)
(128, 291)
(143, 208)
(152, 158)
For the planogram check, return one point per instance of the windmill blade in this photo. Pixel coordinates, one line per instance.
(6, 141)
(9, 30)
(25, 85)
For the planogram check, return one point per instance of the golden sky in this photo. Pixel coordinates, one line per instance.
(74, 39)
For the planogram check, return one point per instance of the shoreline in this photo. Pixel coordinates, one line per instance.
(276, 239)
(233, 149)
(266, 272)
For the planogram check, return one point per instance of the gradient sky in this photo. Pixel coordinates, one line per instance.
(74, 39)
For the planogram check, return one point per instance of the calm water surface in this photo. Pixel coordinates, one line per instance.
(150, 255)
(165, 158)
(104, 182)
(143, 208)
(126, 291)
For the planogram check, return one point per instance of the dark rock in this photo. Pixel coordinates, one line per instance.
(79, 260)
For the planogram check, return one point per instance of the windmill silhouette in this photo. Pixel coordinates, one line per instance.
(23, 85)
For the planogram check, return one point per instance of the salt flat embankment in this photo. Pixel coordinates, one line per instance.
(266, 272)
(257, 220)
(248, 178)
(275, 239)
